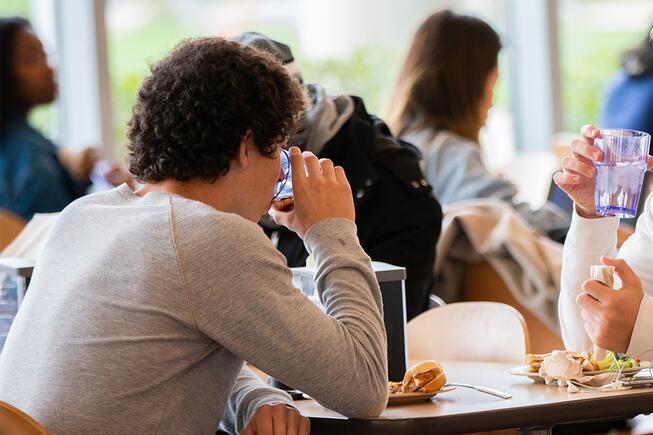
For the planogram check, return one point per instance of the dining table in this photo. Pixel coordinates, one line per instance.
(534, 408)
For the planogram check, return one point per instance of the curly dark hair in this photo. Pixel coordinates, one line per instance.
(200, 100)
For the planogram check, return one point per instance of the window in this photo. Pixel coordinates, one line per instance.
(593, 36)
(348, 47)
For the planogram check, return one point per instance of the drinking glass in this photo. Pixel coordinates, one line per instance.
(620, 173)
(283, 188)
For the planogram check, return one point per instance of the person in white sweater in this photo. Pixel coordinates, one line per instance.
(590, 313)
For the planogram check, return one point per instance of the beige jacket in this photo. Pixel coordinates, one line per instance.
(489, 229)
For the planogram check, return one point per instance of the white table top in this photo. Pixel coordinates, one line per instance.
(464, 410)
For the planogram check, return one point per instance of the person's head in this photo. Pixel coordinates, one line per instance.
(284, 54)
(639, 60)
(447, 79)
(278, 49)
(215, 109)
(26, 78)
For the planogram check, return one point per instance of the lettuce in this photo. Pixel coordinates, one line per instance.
(612, 362)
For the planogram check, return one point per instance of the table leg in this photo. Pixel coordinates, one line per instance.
(534, 431)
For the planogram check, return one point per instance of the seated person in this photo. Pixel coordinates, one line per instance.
(144, 305)
(442, 97)
(398, 221)
(35, 175)
(620, 321)
(629, 98)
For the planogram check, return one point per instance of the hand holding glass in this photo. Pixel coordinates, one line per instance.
(620, 173)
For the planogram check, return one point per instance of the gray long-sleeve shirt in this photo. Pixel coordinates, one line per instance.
(141, 311)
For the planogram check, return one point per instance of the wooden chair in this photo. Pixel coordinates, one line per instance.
(10, 226)
(13, 421)
(469, 331)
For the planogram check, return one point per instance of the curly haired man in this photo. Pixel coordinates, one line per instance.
(144, 305)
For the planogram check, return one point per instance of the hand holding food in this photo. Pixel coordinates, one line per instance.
(610, 315)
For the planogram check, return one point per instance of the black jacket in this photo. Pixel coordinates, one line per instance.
(398, 218)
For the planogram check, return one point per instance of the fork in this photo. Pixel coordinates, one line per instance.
(485, 390)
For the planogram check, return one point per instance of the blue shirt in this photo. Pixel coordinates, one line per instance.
(629, 103)
(32, 179)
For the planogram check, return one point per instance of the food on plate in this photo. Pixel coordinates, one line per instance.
(560, 366)
(394, 387)
(585, 359)
(579, 369)
(613, 363)
(424, 377)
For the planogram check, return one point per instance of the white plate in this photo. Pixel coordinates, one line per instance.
(405, 398)
(523, 371)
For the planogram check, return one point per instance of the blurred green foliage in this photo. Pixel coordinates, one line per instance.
(587, 63)
(593, 36)
(14, 7)
(588, 59)
(130, 55)
(369, 72)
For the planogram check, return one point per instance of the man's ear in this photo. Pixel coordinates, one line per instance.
(244, 152)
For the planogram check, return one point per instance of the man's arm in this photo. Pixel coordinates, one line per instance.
(248, 395)
(638, 254)
(641, 342)
(241, 295)
(611, 317)
(587, 241)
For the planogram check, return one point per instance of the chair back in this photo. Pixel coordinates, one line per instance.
(13, 421)
(469, 331)
(10, 226)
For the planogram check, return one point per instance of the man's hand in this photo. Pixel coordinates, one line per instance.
(321, 192)
(577, 176)
(610, 315)
(277, 419)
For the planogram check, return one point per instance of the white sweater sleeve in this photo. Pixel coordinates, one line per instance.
(587, 241)
(638, 252)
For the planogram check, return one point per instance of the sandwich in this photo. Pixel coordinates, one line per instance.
(425, 377)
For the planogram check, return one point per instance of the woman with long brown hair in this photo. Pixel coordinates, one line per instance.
(441, 101)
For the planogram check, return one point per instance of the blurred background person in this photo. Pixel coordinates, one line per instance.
(629, 97)
(441, 101)
(36, 176)
(398, 220)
